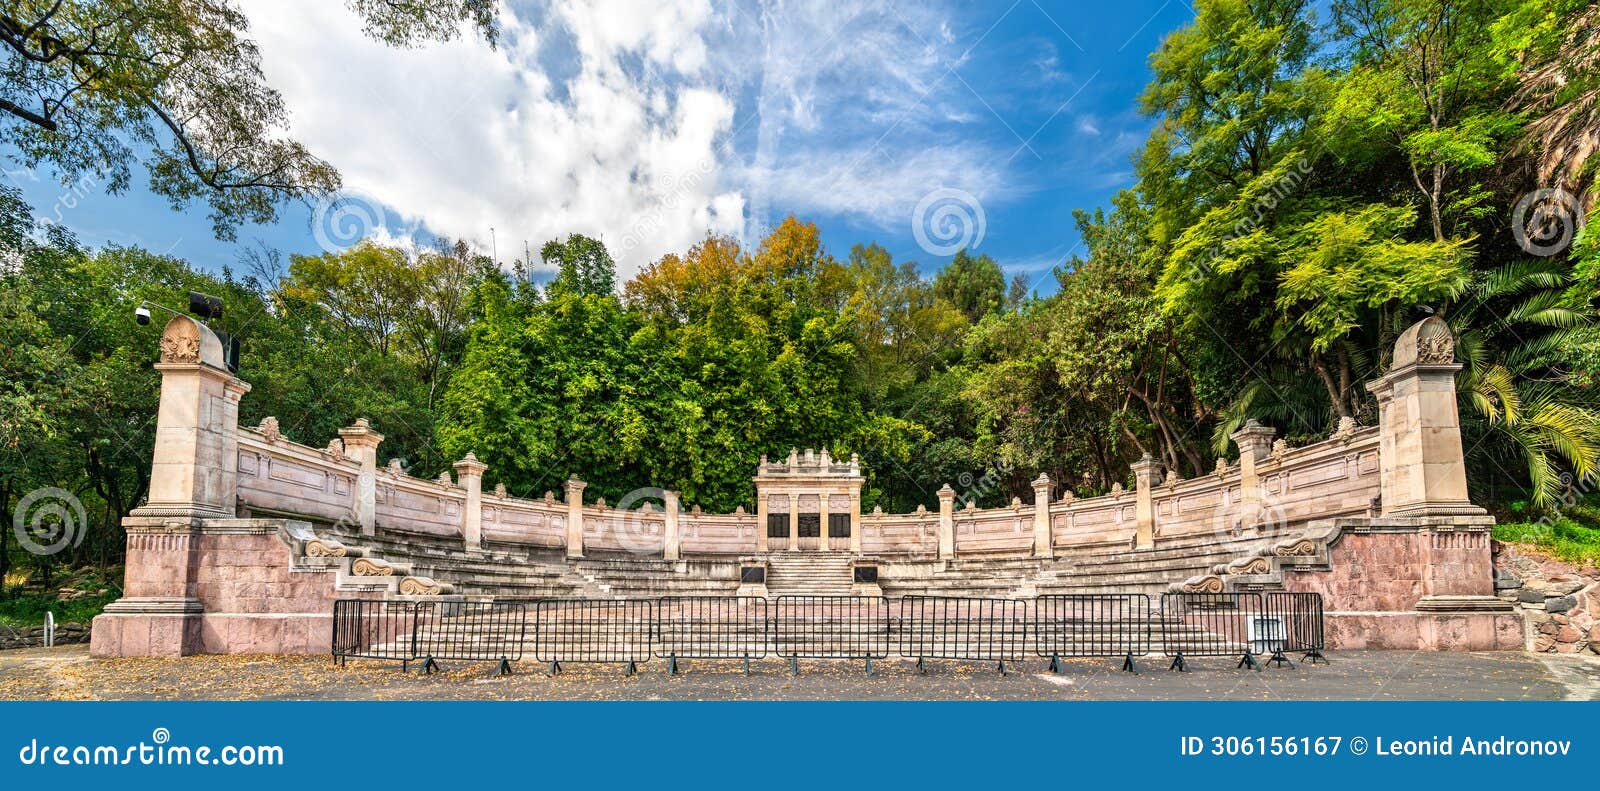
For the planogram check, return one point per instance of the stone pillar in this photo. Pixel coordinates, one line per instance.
(1042, 545)
(822, 515)
(197, 427)
(794, 519)
(762, 512)
(1424, 472)
(573, 490)
(361, 443)
(855, 520)
(1254, 442)
(1145, 471)
(469, 474)
(671, 537)
(947, 522)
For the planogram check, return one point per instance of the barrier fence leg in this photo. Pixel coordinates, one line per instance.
(1003, 668)
(1178, 664)
(1314, 656)
(631, 668)
(1279, 659)
(922, 667)
(747, 664)
(503, 668)
(794, 665)
(1249, 660)
(1055, 664)
(428, 667)
(672, 665)
(869, 665)
(555, 667)
(1128, 665)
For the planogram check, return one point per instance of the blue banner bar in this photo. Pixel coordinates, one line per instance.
(790, 745)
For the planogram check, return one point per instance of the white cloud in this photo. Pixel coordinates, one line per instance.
(645, 125)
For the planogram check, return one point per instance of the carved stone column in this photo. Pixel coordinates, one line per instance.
(1423, 467)
(1145, 471)
(672, 539)
(794, 522)
(822, 515)
(361, 443)
(1043, 547)
(573, 490)
(1255, 444)
(469, 474)
(197, 427)
(947, 522)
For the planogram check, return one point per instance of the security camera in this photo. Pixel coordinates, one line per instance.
(141, 314)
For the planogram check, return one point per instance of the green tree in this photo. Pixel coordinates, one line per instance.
(89, 87)
(974, 284)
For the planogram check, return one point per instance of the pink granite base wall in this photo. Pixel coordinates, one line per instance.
(1376, 579)
(254, 601)
(1481, 631)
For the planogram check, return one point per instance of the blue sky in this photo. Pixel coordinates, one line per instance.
(919, 126)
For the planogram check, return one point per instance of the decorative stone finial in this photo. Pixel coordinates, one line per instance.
(500, 490)
(269, 430)
(1346, 429)
(335, 449)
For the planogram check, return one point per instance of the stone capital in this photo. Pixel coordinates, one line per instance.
(469, 466)
(360, 435)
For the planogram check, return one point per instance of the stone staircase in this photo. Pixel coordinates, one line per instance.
(812, 573)
(650, 578)
(508, 574)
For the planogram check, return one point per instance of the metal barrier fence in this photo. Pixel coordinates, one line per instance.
(1080, 625)
(408, 631)
(593, 630)
(831, 627)
(950, 627)
(1214, 624)
(630, 631)
(711, 627)
(1299, 617)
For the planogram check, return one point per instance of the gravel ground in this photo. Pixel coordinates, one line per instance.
(67, 673)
